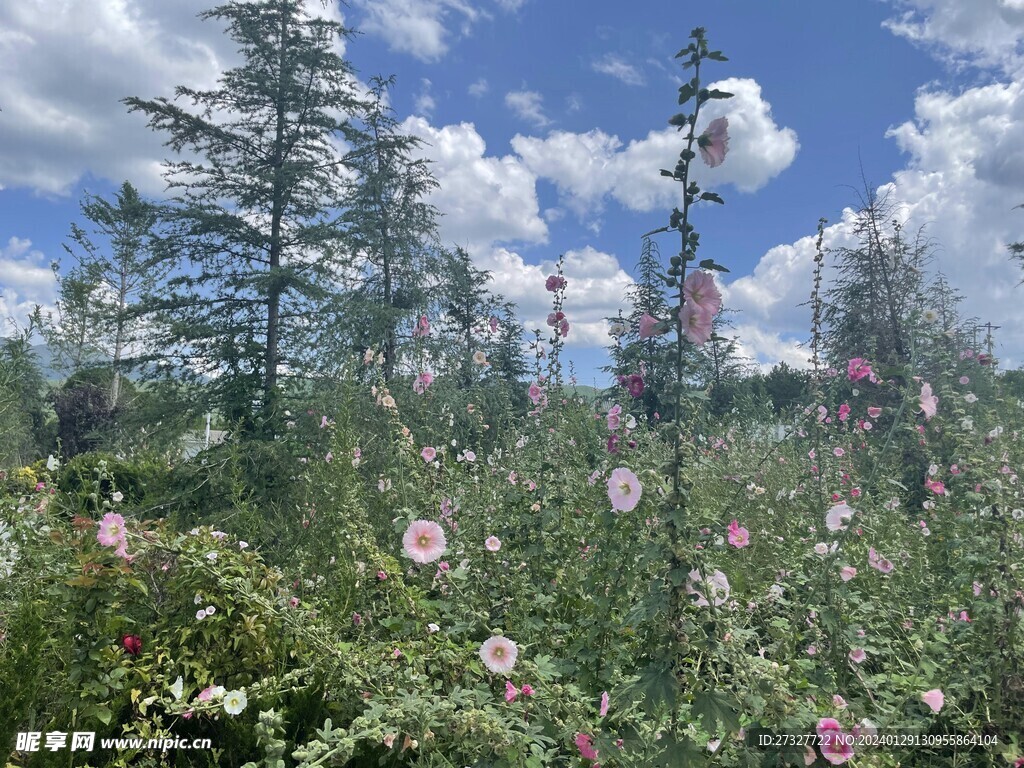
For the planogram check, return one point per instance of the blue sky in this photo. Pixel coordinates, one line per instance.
(547, 123)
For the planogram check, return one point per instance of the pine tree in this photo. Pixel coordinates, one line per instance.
(255, 220)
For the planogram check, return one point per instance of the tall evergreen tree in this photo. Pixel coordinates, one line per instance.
(393, 230)
(467, 307)
(255, 218)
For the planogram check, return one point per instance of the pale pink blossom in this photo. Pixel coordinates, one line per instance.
(624, 489)
(511, 692)
(424, 541)
(112, 531)
(934, 698)
(837, 514)
(874, 411)
(604, 704)
(714, 142)
(847, 572)
(879, 563)
(423, 381)
(699, 289)
(585, 744)
(857, 655)
(929, 403)
(492, 543)
(697, 324)
(499, 654)
(428, 454)
(716, 586)
(648, 326)
(739, 537)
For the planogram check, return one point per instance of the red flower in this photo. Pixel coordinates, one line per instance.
(132, 644)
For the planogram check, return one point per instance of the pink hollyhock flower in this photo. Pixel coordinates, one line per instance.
(554, 283)
(844, 412)
(112, 530)
(874, 412)
(528, 690)
(634, 384)
(858, 368)
(132, 644)
(847, 572)
(857, 655)
(429, 454)
(424, 541)
(838, 701)
(879, 563)
(535, 393)
(422, 327)
(717, 586)
(697, 324)
(835, 748)
(714, 142)
(648, 326)
(624, 489)
(499, 654)
(699, 289)
(585, 744)
(493, 323)
(835, 516)
(613, 418)
(423, 381)
(934, 698)
(511, 692)
(935, 486)
(738, 537)
(493, 543)
(604, 704)
(929, 402)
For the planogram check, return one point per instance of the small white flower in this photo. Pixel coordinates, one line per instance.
(243, 544)
(200, 614)
(970, 397)
(930, 315)
(210, 610)
(117, 496)
(821, 548)
(234, 702)
(177, 687)
(211, 556)
(197, 599)
(52, 463)
(432, 628)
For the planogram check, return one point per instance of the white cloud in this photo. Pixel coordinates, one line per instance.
(417, 27)
(511, 5)
(595, 290)
(64, 68)
(619, 69)
(587, 167)
(528, 105)
(27, 281)
(987, 33)
(484, 200)
(478, 88)
(425, 103)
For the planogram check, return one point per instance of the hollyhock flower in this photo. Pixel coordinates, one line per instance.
(624, 489)
(717, 586)
(648, 326)
(429, 454)
(971, 398)
(422, 327)
(210, 693)
(499, 654)
(132, 644)
(177, 687)
(697, 324)
(879, 563)
(699, 289)
(617, 329)
(234, 702)
(112, 530)
(604, 704)
(511, 692)
(117, 496)
(847, 572)
(934, 698)
(527, 690)
(432, 628)
(493, 543)
(493, 323)
(422, 381)
(838, 701)
(874, 412)
(738, 537)
(935, 486)
(634, 384)
(480, 357)
(821, 548)
(844, 412)
(835, 748)
(858, 368)
(714, 142)
(554, 283)
(929, 402)
(857, 655)
(535, 393)
(838, 452)
(613, 418)
(585, 744)
(835, 516)
(554, 318)
(424, 541)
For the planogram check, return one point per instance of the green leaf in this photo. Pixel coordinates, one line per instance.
(667, 173)
(711, 197)
(714, 707)
(681, 754)
(714, 93)
(685, 93)
(716, 56)
(680, 120)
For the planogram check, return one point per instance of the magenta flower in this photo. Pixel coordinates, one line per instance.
(934, 698)
(112, 530)
(624, 489)
(714, 142)
(697, 324)
(422, 327)
(844, 412)
(604, 704)
(836, 515)
(929, 402)
(429, 454)
(874, 411)
(554, 283)
(935, 486)
(511, 692)
(585, 744)
(535, 393)
(527, 690)
(499, 654)
(699, 288)
(424, 541)
(835, 747)
(648, 326)
(738, 537)
(634, 384)
(858, 369)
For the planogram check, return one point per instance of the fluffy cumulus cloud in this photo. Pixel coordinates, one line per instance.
(587, 168)
(62, 88)
(596, 286)
(484, 199)
(422, 28)
(528, 106)
(619, 68)
(26, 280)
(989, 33)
